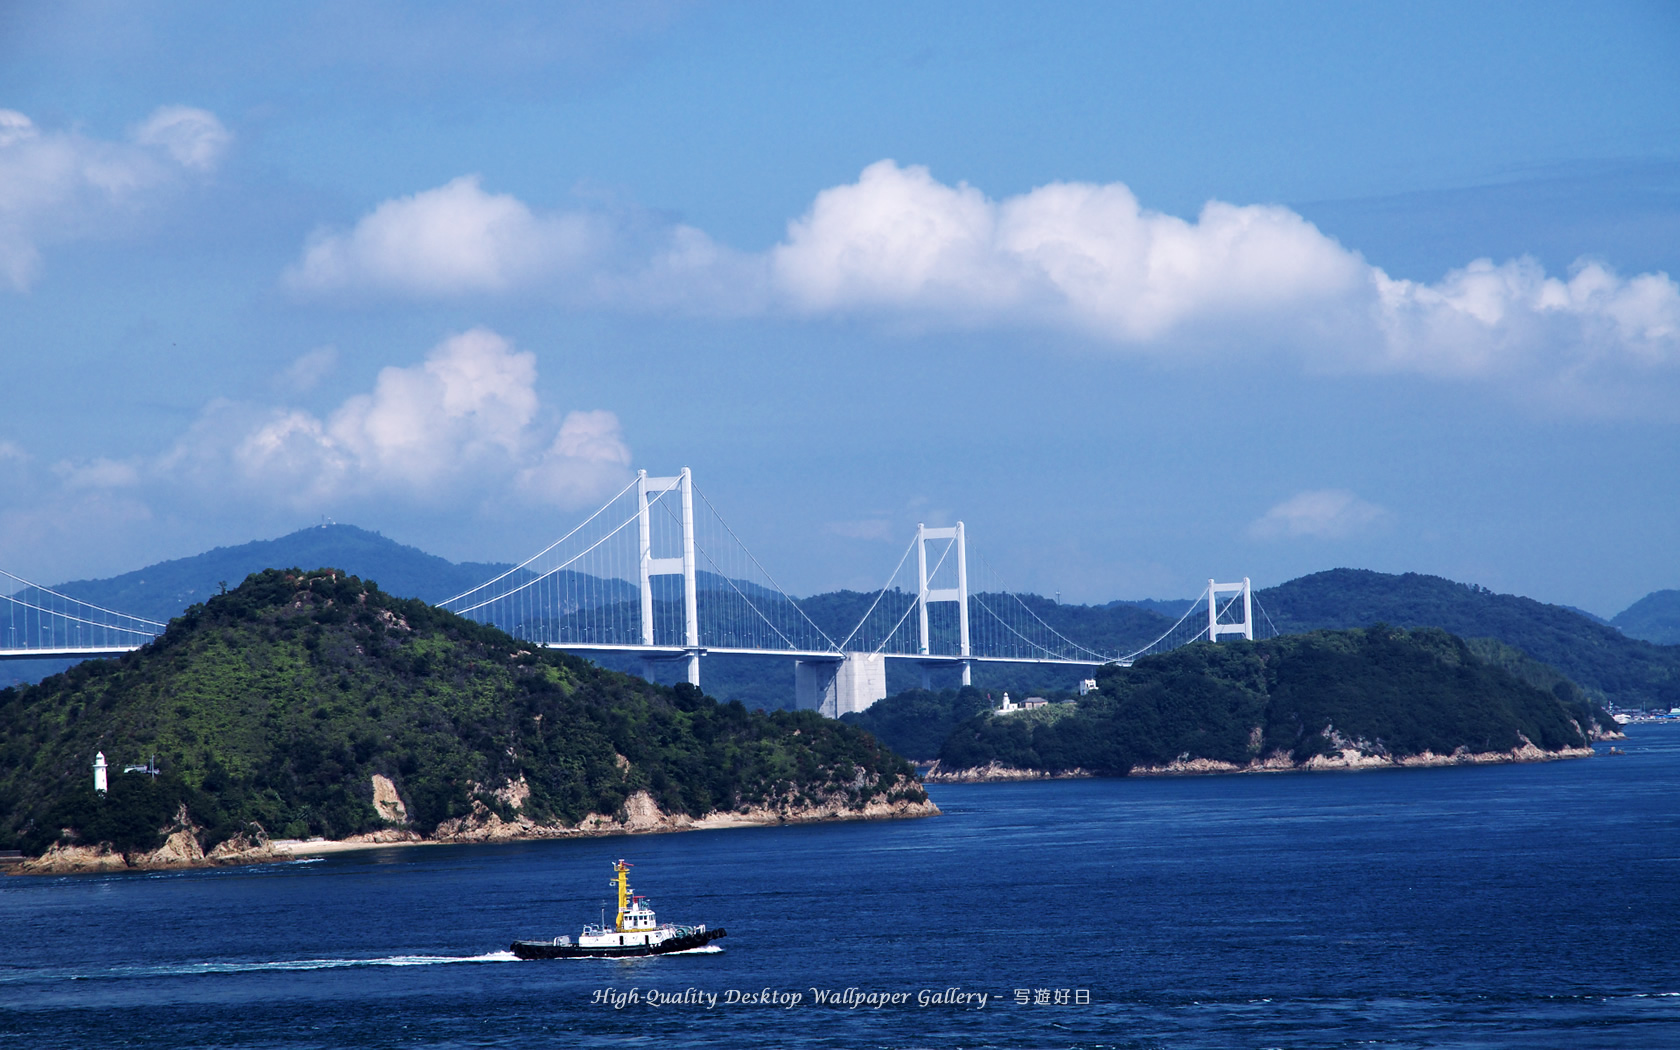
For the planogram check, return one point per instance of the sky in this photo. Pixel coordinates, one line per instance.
(1143, 294)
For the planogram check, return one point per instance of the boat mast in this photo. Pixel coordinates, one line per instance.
(622, 868)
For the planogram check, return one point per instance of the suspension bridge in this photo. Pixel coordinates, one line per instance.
(656, 573)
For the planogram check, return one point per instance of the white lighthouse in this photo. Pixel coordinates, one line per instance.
(99, 783)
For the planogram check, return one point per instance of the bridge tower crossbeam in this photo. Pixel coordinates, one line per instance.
(1215, 628)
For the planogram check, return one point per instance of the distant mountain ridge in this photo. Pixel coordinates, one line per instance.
(165, 590)
(1631, 661)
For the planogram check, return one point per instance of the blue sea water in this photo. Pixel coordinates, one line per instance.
(1509, 906)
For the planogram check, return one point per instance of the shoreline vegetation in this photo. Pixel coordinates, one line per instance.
(1379, 697)
(307, 708)
(1350, 760)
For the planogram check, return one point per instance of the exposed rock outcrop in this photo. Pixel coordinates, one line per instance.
(640, 815)
(386, 802)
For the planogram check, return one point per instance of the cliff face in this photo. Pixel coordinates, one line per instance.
(1332, 699)
(312, 705)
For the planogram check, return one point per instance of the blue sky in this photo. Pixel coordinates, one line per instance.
(1142, 293)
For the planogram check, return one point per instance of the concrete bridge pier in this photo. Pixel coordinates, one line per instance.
(691, 668)
(840, 684)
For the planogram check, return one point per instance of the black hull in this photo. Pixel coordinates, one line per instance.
(550, 950)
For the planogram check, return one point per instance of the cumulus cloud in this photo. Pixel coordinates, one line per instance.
(460, 239)
(467, 416)
(1084, 258)
(57, 185)
(1326, 514)
(456, 238)
(1089, 258)
(1083, 255)
(464, 431)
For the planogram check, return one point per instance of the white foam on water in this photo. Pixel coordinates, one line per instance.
(209, 968)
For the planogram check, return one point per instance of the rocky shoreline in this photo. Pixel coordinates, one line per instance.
(642, 815)
(1347, 760)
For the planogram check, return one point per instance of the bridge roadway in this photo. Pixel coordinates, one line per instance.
(651, 652)
(68, 653)
(678, 652)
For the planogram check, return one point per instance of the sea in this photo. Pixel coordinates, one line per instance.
(1487, 906)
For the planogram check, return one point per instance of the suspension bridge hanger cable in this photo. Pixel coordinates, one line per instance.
(879, 595)
(550, 572)
(48, 590)
(754, 559)
(545, 550)
(725, 577)
(949, 546)
(1028, 609)
(1194, 602)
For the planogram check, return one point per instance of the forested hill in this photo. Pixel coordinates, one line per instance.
(1382, 693)
(280, 701)
(1622, 670)
(1655, 618)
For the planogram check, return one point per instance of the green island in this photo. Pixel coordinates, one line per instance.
(1378, 696)
(311, 705)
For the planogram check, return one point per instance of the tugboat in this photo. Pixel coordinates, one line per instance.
(634, 932)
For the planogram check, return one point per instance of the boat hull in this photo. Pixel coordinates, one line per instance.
(550, 950)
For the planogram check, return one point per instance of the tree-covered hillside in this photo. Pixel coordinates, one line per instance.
(916, 722)
(1383, 690)
(1653, 618)
(278, 702)
(1621, 670)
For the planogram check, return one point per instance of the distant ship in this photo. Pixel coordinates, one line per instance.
(634, 932)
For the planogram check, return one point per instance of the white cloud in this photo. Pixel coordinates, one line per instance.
(307, 371)
(57, 185)
(100, 473)
(588, 459)
(194, 137)
(1327, 514)
(898, 244)
(1088, 258)
(467, 417)
(460, 434)
(1075, 254)
(450, 240)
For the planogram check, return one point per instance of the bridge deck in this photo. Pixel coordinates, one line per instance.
(656, 652)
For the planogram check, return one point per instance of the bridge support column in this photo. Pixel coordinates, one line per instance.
(841, 685)
(693, 663)
(968, 672)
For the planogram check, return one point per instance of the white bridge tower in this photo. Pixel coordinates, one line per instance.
(680, 565)
(1215, 628)
(958, 594)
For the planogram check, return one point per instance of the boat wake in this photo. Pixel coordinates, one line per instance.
(217, 968)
